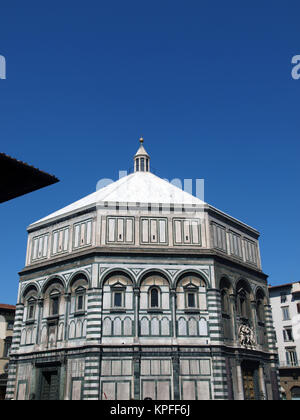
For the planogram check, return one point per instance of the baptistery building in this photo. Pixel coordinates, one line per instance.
(142, 290)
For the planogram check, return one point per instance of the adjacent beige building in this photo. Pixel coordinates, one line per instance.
(285, 302)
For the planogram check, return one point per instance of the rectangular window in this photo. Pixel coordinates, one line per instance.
(288, 334)
(191, 300)
(186, 231)
(120, 230)
(82, 234)
(10, 324)
(285, 313)
(291, 357)
(79, 302)
(54, 305)
(153, 230)
(60, 241)
(282, 297)
(250, 251)
(7, 346)
(39, 247)
(118, 298)
(235, 244)
(219, 237)
(30, 311)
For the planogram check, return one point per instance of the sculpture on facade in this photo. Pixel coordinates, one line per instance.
(246, 336)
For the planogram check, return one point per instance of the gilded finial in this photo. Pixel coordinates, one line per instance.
(141, 140)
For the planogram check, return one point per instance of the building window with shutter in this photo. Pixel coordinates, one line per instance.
(7, 346)
(285, 313)
(291, 356)
(288, 334)
(282, 297)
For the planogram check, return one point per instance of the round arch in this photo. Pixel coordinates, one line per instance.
(53, 280)
(31, 287)
(153, 272)
(76, 276)
(115, 272)
(192, 273)
(225, 282)
(260, 293)
(242, 283)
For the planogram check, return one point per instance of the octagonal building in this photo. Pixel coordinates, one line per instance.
(142, 290)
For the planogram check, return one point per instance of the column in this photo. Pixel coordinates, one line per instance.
(17, 328)
(94, 308)
(262, 386)
(137, 375)
(173, 303)
(176, 370)
(67, 301)
(136, 294)
(91, 390)
(271, 341)
(233, 317)
(240, 384)
(215, 316)
(219, 379)
(40, 305)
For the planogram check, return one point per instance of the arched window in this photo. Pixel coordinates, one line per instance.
(30, 302)
(260, 307)
(80, 299)
(243, 304)
(154, 296)
(260, 311)
(260, 316)
(154, 292)
(78, 287)
(225, 301)
(225, 287)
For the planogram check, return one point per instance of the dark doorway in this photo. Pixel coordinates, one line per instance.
(49, 385)
(2, 392)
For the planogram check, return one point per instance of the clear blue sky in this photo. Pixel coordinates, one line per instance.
(208, 85)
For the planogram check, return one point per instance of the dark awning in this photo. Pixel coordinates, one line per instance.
(18, 178)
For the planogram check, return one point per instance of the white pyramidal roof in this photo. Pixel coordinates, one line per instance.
(141, 187)
(138, 187)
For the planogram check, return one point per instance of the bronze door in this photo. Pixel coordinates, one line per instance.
(249, 384)
(50, 385)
